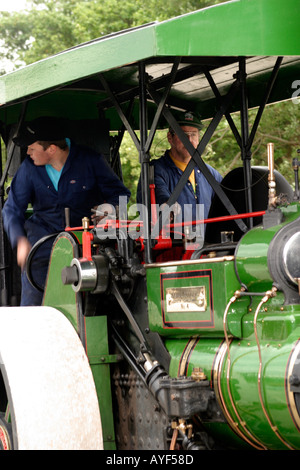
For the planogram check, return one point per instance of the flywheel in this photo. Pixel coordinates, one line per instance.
(48, 399)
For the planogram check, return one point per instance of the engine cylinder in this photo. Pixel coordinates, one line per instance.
(259, 398)
(264, 256)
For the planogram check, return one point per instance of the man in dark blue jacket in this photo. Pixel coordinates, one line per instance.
(57, 174)
(195, 198)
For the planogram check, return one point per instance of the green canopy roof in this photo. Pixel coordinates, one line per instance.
(209, 39)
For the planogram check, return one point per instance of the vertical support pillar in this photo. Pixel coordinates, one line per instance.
(145, 162)
(3, 251)
(246, 152)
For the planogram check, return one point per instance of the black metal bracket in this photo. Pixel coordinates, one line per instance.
(196, 154)
(244, 140)
(120, 111)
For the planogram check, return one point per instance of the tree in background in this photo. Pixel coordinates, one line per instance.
(47, 27)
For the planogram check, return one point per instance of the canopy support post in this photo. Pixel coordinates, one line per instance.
(196, 154)
(245, 150)
(265, 100)
(145, 162)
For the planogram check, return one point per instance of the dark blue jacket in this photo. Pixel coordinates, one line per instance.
(86, 181)
(166, 177)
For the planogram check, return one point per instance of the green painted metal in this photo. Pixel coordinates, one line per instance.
(203, 356)
(241, 28)
(56, 294)
(97, 352)
(247, 355)
(257, 29)
(82, 61)
(252, 253)
(93, 330)
(254, 422)
(218, 278)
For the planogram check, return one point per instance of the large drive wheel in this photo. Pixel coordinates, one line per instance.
(48, 398)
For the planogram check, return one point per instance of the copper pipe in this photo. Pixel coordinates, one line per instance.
(266, 297)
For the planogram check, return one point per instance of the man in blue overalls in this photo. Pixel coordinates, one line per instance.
(194, 201)
(57, 174)
(197, 193)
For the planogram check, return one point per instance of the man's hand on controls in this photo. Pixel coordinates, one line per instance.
(104, 210)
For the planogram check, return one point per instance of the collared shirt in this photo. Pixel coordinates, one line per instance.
(54, 175)
(182, 166)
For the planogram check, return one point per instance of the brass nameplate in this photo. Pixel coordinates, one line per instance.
(186, 299)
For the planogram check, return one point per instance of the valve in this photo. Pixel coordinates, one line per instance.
(271, 177)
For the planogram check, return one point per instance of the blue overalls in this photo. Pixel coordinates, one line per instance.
(166, 177)
(85, 181)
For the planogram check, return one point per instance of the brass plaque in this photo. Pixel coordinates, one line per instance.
(186, 299)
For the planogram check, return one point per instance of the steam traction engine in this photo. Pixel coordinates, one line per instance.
(198, 352)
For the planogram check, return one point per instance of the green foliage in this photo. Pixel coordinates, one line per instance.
(279, 124)
(50, 26)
